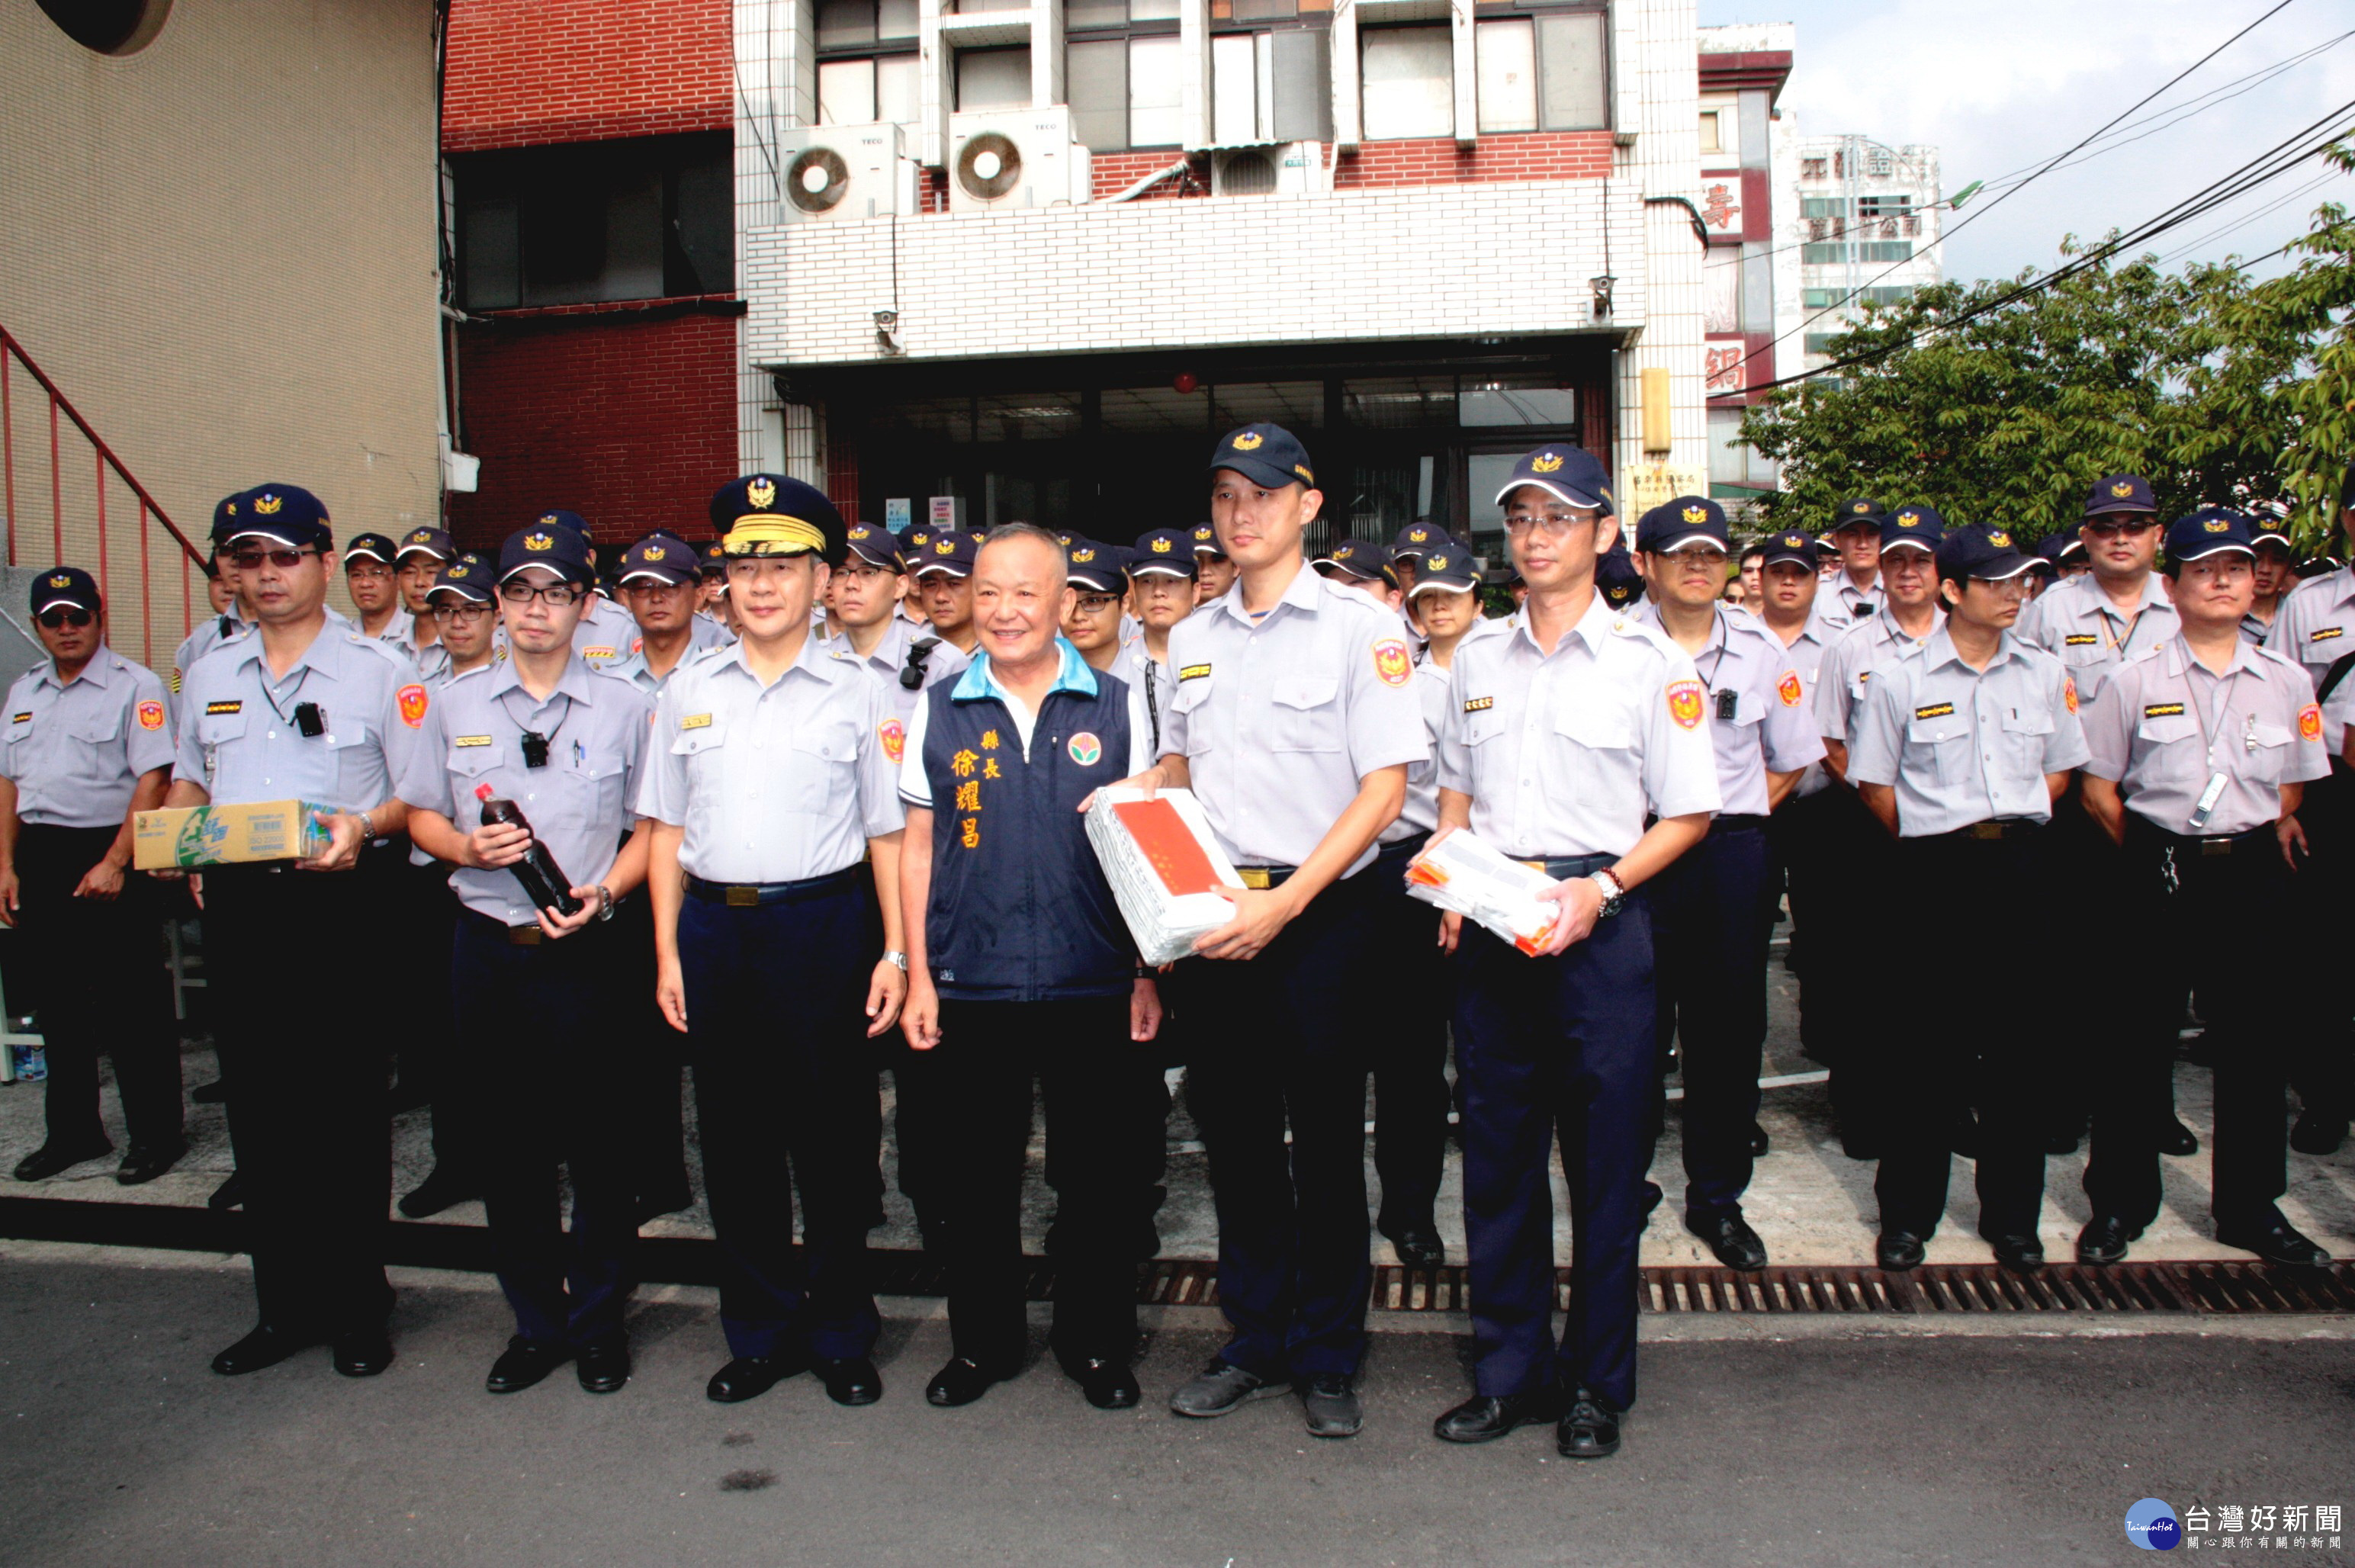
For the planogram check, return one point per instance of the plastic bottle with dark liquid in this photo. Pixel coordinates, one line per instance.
(537, 869)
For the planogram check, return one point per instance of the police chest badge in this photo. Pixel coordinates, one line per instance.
(151, 715)
(1789, 689)
(412, 700)
(1683, 703)
(894, 735)
(1085, 749)
(1392, 663)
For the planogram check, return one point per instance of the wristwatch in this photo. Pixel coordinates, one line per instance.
(604, 902)
(895, 956)
(1615, 892)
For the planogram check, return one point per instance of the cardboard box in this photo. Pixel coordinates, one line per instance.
(1165, 867)
(193, 836)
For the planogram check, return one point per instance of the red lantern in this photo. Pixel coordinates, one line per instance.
(1185, 381)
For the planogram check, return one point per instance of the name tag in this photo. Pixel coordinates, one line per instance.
(470, 739)
(2080, 640)
(696, 721)
(1194, 672)
(236, 707)
(2161, 710)
(1935, 710)
(1479, 704)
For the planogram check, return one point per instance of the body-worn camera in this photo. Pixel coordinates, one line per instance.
(309, 719)
(535, 749)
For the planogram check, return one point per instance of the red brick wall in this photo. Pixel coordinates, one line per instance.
(527, 72)
(1109, 174)
(1541, 156)
(630, 422)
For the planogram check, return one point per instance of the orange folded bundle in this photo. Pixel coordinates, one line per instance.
(1458, 872)
(1165, 868)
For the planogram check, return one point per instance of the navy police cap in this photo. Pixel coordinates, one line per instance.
(370, 546)
(469, 577)
(951, 552)
(1791, 545)
(1857, 512)
(1164, 552)
(1680, 523)
(1361, 559)
(1913, 525)
(1418, 539)
(659, 558)
(65, 585)
(429, 542)
(2119, 493)
(559, 549)
(227, 511)
(1094, 566)
(1446, 568)
(874, 546)
(1983, 551)
(1570, 474)
(2211, 531)
(287, 514)
(2268, 520)
(1265, 454)
(1617, 579)
(1206, 541)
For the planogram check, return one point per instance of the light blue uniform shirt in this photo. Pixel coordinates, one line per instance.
(1770, 729)
(241, 739)
(75, 752)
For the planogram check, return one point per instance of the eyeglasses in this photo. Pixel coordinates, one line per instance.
(1097, 603)
(1553, 523)
(66, 616)
(559, 595)
(2132, 529)
(367, 569)
(284, 559)
(467, 612)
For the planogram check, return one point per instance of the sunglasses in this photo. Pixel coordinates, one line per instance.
(2132, 530)
(66, 616)
(284, 559)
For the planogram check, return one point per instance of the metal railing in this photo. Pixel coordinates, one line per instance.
(81, 530)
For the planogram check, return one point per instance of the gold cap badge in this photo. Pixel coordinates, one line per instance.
(1249, 440)
(539, 542)
(269, 505)
(1546, 463)
(760, 492)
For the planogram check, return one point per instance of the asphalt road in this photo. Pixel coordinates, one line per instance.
(118, 1447)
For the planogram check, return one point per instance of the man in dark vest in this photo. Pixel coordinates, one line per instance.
(1018, 964)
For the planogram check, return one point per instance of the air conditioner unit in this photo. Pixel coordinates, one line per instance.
(837, 173)
(1278, 168)
(1015, 158)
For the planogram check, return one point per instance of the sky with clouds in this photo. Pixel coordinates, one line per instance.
(2000, 86)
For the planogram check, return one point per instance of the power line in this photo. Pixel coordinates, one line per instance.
(2245, 220)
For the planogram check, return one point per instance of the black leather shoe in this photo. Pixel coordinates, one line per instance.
(1731, 1238)
(443, 1189)
(1588, 1429)
(961, 1381)
(2276, 1242)
(228, 1195)
(1485, 1417)
(1329, 1401)
(1758, 1143)
(2062, 1140)
(405, 1096)
(2104, 1239)
(265, 1347)
(750, 1377)
(2021, 1255)
(1220, 1389)
(145, 1162)
(52, 1157)
(1898, 1251)
(363, 1352)
(212, 1094)
(604, 1367)
(849, 1380)
(2315, 1133)
(1962, 1137)
(1418, 1245)
(1108, 1385)
(523, 1363)
(668, 1198)
(2176, 1139)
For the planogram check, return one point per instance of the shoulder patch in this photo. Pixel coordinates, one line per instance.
(151, 715)
(414, 703)
(2069, 691)
(2161, 710)
(1683, 703)
(894, 736)
(1394, 664)
(1478, 704)
(2309, 721)
(1790, 689)
(1934, 710)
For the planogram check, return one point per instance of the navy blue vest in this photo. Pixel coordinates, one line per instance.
(1020, 910)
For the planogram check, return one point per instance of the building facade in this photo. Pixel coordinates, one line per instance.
(1026, 261)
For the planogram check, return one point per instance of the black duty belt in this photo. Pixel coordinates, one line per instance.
(514, 935)
(1737, 824)
(1405, 849)
(1266, 876)
(2254, 840)
(1996, 829)
(751, 895)
(1562, 868)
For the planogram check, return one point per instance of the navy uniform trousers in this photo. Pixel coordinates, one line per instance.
(1847, 894)
(1710, 925)
(1276, 1048)
(1406, 1009)
(1991, 1049)
(307, 1074)
(534, 1025)
(2322, 1064)
(653, 1063)
(1544, 1044)
(423, 1035)
(101, 988)
(1104, 1106)
(786, 1096)
(2215, 883)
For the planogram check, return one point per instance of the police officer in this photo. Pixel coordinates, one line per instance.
(944, 577)
(1021, 966)
(417, 564)
(301, 710)
(905, 655)
(606, 631)
(1415, 542)
(2202, 748)
(1843, 1011)
(2316, 627)
(530, 985)
(1099, 583)
(1563, 739)
(768, 786)
(87, 745)
(1162, 571)
(1856, 536)
(231, 617)
(1617, 578)
(657, 580)
(2276, 568)
(1710, 919)
(714, 608)
(464, 614)
(1293, 723)
(374, 584)
(1445, 599)
(1215, 570)
(1960, 752)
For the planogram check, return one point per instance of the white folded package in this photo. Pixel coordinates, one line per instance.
(1460, 873)
(1161, 885)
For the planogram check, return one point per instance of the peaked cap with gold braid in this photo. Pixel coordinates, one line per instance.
(771, 515)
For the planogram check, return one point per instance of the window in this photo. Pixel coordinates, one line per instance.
(1409, 75)
(1822, 207)
(1883, 206)
(1720, 277)
(992, 79)
(1086, 16)
(865, 24)
(1819, 343)
(1811, 168)
(1885, 251)
(1540, 73)
(1708, 137)
(1125, 92)
(597, 220)
(878, 80)
(1271, 87)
